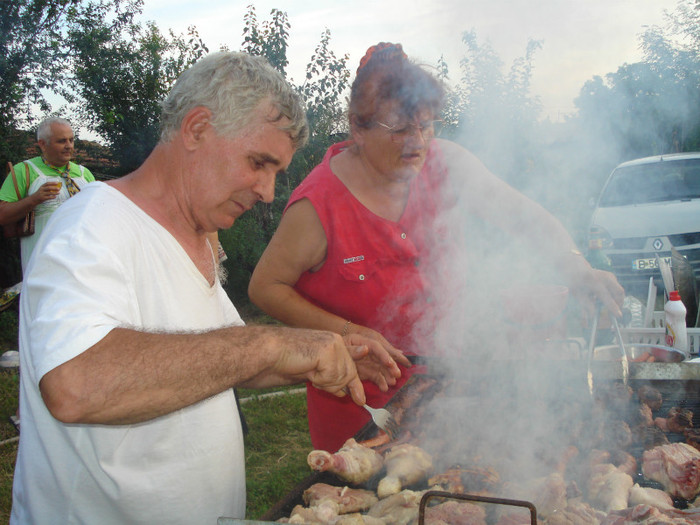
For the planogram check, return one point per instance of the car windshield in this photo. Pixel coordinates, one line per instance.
(667, 180)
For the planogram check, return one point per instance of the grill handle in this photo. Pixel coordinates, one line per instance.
(473, 497)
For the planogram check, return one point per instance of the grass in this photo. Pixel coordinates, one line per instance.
(9, 393)
(276, 447)
(276, 444)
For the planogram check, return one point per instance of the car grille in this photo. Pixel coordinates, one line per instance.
(633, 243)
(684, 239)
(621, 261)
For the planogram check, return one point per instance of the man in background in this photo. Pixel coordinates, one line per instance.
(129, 345)
(53, 179)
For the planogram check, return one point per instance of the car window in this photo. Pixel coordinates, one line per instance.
(654, 182)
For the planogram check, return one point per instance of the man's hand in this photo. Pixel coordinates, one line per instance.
(379, 363)
(47, 191)
(323, 359)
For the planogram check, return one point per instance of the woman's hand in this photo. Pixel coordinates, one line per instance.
(590, 285)
(380, 363)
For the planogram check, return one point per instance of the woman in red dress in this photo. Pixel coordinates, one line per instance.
(361, 243)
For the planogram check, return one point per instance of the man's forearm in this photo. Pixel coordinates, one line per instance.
(132, 376)
(13, 211)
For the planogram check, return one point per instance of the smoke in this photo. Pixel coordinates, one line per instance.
(519, 396)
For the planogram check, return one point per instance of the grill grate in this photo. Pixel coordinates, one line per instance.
(675, 392)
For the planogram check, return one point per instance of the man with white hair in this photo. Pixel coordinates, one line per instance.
(130, 347)
(53, 179)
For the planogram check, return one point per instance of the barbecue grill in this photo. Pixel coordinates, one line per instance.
(679, 384)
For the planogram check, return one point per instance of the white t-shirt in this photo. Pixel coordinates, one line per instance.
(103, 263)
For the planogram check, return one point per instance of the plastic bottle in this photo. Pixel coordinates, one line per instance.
(676, 330)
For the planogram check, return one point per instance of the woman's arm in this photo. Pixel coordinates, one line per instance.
(299, 245)
(503, 206)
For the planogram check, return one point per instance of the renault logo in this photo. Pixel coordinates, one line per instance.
(658, 244)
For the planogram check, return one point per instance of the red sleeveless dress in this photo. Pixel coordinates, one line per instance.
(376, 274)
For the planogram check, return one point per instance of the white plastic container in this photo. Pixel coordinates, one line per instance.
(676, 330)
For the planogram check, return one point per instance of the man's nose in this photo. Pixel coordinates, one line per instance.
(265, 188)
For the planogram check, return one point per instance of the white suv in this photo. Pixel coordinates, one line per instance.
(647, 206)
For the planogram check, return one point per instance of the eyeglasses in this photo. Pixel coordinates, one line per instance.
(400, 132)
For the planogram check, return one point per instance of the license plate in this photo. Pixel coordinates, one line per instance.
(648, 264)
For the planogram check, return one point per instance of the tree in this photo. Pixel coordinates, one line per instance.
(268, 39)
(673, 54)
(455, 100)
(489, 111)
(634, 111)
(31, 61)
(121, 71)
(325, 81)
(651, 107)
(33, 65)
(327, 78)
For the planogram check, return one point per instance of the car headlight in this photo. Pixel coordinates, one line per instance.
(599, 239)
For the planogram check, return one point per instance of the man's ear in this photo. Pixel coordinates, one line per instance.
(42, 144)
(193, 126)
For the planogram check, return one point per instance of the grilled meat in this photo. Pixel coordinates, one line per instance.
(676, 466)
(620, 418)
(624, 461)
(449, 480)
(455, 512)
(608, 487)
(661, 423)
(641, 514)
(514, 518)
(461, 480)
(576, 513)
(679, 419)
(640, 418)
(618, 434)
(325, 514)
(548, 494)
(347, 499)
(352, 463)
(650, 396)
(615, 397)
(405, 465)
(692, 437)
(398, 509)
(649, 496)
(322, 514)
(358, 519)
(653, 437)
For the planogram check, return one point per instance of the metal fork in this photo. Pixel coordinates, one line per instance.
(623, 351)
(591, 348)
(621, 346)
(384, 420)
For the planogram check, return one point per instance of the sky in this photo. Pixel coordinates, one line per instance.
(580, 38)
